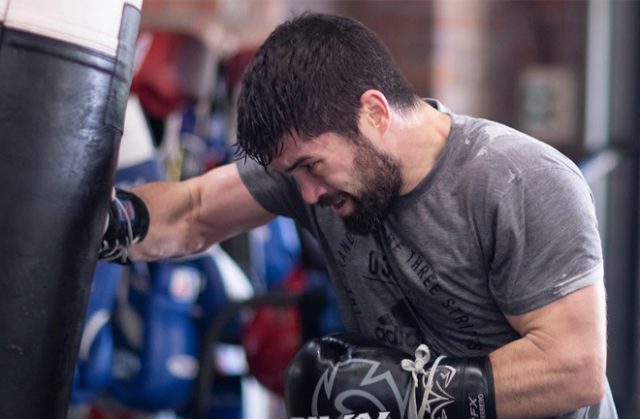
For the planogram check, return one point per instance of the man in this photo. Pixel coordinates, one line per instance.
(437, 228)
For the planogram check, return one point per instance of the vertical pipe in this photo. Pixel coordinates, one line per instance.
(598, 95)
(65, 71)
(598, 75)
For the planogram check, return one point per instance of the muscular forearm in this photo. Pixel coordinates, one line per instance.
(530, 383)
(188, 216)
(559, 364)
(171, 210)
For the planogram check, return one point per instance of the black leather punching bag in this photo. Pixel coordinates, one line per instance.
(65, 72)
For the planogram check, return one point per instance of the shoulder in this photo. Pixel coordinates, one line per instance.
(502, 156)
(256, 177)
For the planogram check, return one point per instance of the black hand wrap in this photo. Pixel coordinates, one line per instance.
(127, 223)
(345, 376)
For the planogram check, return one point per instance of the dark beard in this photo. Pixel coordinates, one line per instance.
(382, 181)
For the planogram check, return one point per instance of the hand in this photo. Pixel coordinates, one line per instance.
(127, 224)
(345, 374)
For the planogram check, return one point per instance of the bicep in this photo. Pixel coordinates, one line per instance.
(223, 205)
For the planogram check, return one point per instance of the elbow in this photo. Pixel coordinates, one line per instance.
(595, 391)
(590, 383)
(194, 245)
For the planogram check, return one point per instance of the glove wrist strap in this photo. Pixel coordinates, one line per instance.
(127, 224)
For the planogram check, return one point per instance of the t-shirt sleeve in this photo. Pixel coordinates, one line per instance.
(546, 242)
(275, 192)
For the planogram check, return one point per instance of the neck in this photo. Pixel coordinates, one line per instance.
(420, 138)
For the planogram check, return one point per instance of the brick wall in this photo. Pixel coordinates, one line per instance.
(405, 27)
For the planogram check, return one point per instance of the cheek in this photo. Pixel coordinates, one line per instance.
(345, 182)
(340, 176)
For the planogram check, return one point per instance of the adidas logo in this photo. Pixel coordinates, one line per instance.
(388, 331)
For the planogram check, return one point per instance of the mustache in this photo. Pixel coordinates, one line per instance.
(329, 199)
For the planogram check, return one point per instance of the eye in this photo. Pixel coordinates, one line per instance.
(309, 167)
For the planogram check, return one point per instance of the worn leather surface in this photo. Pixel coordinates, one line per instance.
(61, 115)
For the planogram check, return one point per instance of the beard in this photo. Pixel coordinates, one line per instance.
(380, 178)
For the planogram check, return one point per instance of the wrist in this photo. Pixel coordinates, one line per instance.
(127, 224)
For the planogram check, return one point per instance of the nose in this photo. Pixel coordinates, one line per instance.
(311, 188)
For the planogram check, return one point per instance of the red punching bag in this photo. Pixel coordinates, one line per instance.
(273, 337)
(173, 68)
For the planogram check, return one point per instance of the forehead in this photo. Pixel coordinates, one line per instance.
(296, 147)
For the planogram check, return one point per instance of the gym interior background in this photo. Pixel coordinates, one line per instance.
(565, 72)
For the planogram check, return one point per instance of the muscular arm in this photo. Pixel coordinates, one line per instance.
(559, 363)
(188, 216)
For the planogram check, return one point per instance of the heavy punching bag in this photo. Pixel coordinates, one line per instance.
(65, 72)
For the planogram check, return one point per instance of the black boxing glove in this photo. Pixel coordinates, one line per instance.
(345, 376)
(127, 224)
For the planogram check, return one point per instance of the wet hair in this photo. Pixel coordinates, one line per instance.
(307, 79)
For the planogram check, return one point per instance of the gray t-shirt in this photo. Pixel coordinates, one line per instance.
(503, 223)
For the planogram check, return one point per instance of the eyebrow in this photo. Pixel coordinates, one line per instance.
(295, 164)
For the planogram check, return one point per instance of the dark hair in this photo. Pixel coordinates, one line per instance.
(307, 79)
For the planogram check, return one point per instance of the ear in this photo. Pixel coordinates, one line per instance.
(375, 112)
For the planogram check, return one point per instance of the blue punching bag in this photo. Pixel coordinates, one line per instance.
(93, 368)
(155, 355)
(65, 72)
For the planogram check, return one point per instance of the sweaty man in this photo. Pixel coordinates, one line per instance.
(439, 229)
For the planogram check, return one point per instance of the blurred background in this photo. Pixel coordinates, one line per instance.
(565, 72)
